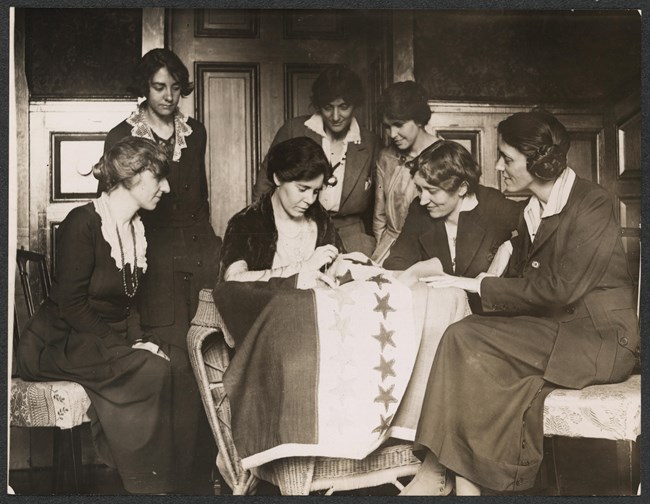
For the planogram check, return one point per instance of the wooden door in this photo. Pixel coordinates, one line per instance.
(253, 70)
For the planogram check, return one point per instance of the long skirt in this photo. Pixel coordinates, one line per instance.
(129, 390)
(182, 261)
(483, 410)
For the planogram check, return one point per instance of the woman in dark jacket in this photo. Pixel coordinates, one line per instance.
(287, 231)
(184, 250)
(455, 225)
(562, 315)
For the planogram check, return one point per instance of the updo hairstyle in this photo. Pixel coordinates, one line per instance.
(153, 61)
(405, 101)
(540, 137)
(447, 165)
(126, 159)
(299, 158)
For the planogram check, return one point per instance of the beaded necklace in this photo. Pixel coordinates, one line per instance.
(134, 276)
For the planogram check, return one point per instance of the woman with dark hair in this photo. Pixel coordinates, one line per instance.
(286, 231)
(184, 250)
(562, 315)
(88, 329)
(349, 148)
(405, 113)
(455, 225)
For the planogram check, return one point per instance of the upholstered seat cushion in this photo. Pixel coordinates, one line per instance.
(60, 404)
(599, 411)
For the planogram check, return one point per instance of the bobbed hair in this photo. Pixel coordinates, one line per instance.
(153, 61)
(447, 165)
(405, 101)
(299, 158)
(126, 159)
(336, 81)
(540, 137)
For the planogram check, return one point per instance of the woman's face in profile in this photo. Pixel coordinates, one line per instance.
(148, 189)
(402, 133)
(438, 202)
(512, 164)
(337, 116)
(297, 196)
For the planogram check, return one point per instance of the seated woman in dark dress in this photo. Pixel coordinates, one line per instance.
(286, 231)
(562, 315)
(455, 225)
(88, 330)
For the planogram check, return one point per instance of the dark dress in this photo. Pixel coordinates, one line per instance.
(83, 333)
(183, 258)
(480, 233)
(564, 316)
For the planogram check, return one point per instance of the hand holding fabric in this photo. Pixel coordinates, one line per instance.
(322, 256)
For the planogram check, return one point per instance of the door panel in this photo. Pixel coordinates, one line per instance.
(253, 70)
(228, 107)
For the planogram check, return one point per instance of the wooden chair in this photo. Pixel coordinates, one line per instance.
(58, 404)
(600, 412)
(209, 347)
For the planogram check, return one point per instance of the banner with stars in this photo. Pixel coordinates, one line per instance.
(353, 376)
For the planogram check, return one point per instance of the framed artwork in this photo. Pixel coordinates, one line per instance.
(307, 24)
(73, 157)
(95, 49)
(470, 139)
(230, 23)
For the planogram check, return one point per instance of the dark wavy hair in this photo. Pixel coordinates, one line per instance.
(540, 137)
(405, 101)
(299, 158)
(447, 165)
(127, 158)
(336, 81)
(153, 61)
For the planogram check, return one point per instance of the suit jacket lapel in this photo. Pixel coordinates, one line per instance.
(356, 158)
(545, 231)
(436, 244)
(469, 239)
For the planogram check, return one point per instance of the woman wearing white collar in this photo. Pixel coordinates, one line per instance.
(563, 314)
(336, 95)
(184, 250)
(88, 329)
(455, 225)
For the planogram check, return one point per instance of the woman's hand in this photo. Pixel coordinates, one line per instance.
(311, 279)
(467, 284)
(150, 347)
(320, 257)
(422, 269)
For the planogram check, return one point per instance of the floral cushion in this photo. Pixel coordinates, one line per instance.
(60, 404)
(599, 411)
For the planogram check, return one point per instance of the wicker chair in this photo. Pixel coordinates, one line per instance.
(208, 343)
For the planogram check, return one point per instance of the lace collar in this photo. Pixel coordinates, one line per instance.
(141, 128)
(109, 232)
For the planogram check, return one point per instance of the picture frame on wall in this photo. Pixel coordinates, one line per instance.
(73, 158)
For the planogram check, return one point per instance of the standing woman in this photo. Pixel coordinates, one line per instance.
(348, 196)
(563, 315)
(406, 112)
(183, 253)
(88, 329)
